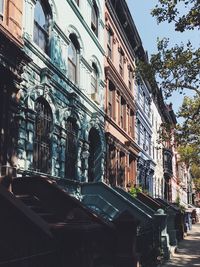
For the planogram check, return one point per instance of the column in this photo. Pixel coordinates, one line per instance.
(84, 161)
(62, 153)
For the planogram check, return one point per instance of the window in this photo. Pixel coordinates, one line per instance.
(147, 106)
(137, 131)
(1, 9)
(141, 135)
(131, 124)
(41, 25)
(143, 100)
(111, 89)
(110, 43)
(110, 103)
(149, 144)
(145, 140)
(121, 169)
(130, 78)
(71, 149)
(94, 79)
(123, 114)
(94, 18)
(153, 150)
(73, 51)
(43, 125)
(121, 63)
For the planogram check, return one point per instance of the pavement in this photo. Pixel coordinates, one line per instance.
(188, 251)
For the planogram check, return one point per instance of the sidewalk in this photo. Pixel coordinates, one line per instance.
(188, 252)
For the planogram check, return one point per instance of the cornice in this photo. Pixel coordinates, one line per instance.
(112, 14)
(86, 64)
(60, 32)
(130, 141)
(127, 147)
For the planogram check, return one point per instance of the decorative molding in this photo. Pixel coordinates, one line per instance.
(90, 32)
(61, 33)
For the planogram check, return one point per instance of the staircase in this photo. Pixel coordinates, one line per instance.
(35, 204)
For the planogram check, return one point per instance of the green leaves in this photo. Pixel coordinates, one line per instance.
(188, 132)
(134, 190)
(177, 68)
(184, 13)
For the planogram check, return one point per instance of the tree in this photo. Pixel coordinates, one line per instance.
(188, 132)
(177, 68)
(185, 14)
(195, 171)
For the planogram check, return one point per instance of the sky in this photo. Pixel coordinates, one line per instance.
(149, 30)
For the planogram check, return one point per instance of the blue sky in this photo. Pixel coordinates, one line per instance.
(149, 31)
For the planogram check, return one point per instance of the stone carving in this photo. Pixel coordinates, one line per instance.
(57, 53)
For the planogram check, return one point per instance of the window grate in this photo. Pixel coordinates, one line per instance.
(43, 124)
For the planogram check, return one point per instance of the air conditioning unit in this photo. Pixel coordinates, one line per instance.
(95, 97)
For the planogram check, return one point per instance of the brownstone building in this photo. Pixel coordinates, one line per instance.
(12, 60)
(121, 40)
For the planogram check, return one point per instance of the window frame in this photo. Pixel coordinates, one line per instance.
(121, 62)
(130, 78)
(74, 44)
(42, 136)
(123, 113)
(131, 123)
(94, 78)
(72, 64)
(95, 18)
(111, 90)
(110, 43)
(38, 30)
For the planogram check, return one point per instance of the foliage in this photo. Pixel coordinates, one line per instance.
(175, 69)
(195, 171)
(188, 133)
(166, 133)
(181, 207)
(183, 13)
(134, 190)
(189, 154)
(197, 184)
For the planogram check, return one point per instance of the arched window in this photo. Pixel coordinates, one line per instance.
(94, 18)
(71, 150)
(94, 78)
(42, 14)
(73, 52)
(43, 126)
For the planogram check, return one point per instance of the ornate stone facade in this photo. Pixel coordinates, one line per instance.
(12, 62)
(61, 118)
